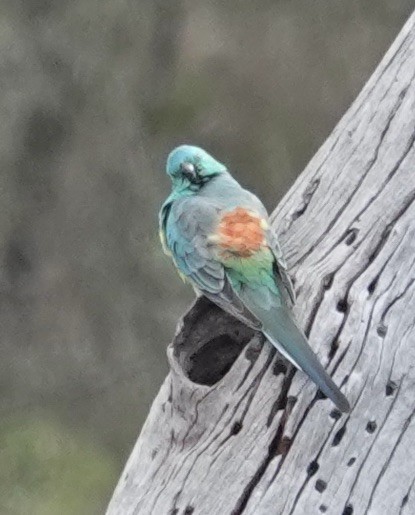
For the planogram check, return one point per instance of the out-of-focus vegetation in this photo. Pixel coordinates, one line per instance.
(48, 470)
(93, 96)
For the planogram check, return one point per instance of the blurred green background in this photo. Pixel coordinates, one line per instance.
(94, 94)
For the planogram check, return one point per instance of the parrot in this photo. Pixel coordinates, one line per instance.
(220, 239)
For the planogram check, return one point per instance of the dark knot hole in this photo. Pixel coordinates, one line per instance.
(209, 342)
(213, 361)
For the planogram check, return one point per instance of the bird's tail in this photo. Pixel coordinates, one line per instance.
(286, 336)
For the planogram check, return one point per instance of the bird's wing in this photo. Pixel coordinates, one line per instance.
(185, 228)
(243, 281)
(280, 267)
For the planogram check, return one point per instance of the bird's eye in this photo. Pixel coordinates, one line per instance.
(189, 171)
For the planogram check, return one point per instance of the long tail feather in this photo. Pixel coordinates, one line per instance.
(284, 334)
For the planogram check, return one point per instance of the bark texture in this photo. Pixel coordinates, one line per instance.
(234, 429)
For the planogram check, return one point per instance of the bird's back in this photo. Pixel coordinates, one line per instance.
(226, 193)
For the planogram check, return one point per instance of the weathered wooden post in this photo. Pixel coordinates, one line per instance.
(233, 429)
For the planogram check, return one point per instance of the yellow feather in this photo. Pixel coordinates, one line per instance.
(164, 243)
(264, 224)
(183, 277)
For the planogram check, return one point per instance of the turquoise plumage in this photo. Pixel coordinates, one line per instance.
(218, 236)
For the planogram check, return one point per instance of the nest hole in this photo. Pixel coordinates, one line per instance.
(320, 396)
(209, 342)
(372, 285)
(312, 468)
(348, 510)
(342, 306)
(236, 428)
(284, 445)
(351, 236)
(334, 346)
(328, 281)
(382, 330)
(335, 414)
(320, 485)
(212, 362)
(390, 388)
(338, 436)
(279, 367)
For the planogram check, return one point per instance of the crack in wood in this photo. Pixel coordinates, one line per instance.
(272, 452)
(363, 462)
(406, 497)
(385, 466)
(307, 197)
(372, 199)
(311, 470)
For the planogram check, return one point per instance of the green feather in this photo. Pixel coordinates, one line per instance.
(255, 271)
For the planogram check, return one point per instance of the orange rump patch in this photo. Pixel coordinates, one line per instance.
(241, 232)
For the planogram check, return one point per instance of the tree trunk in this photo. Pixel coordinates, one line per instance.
(234, 429)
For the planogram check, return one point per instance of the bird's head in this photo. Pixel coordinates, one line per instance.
(191, 167)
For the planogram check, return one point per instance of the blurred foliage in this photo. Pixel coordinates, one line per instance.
(94, 94)
(45, 469)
